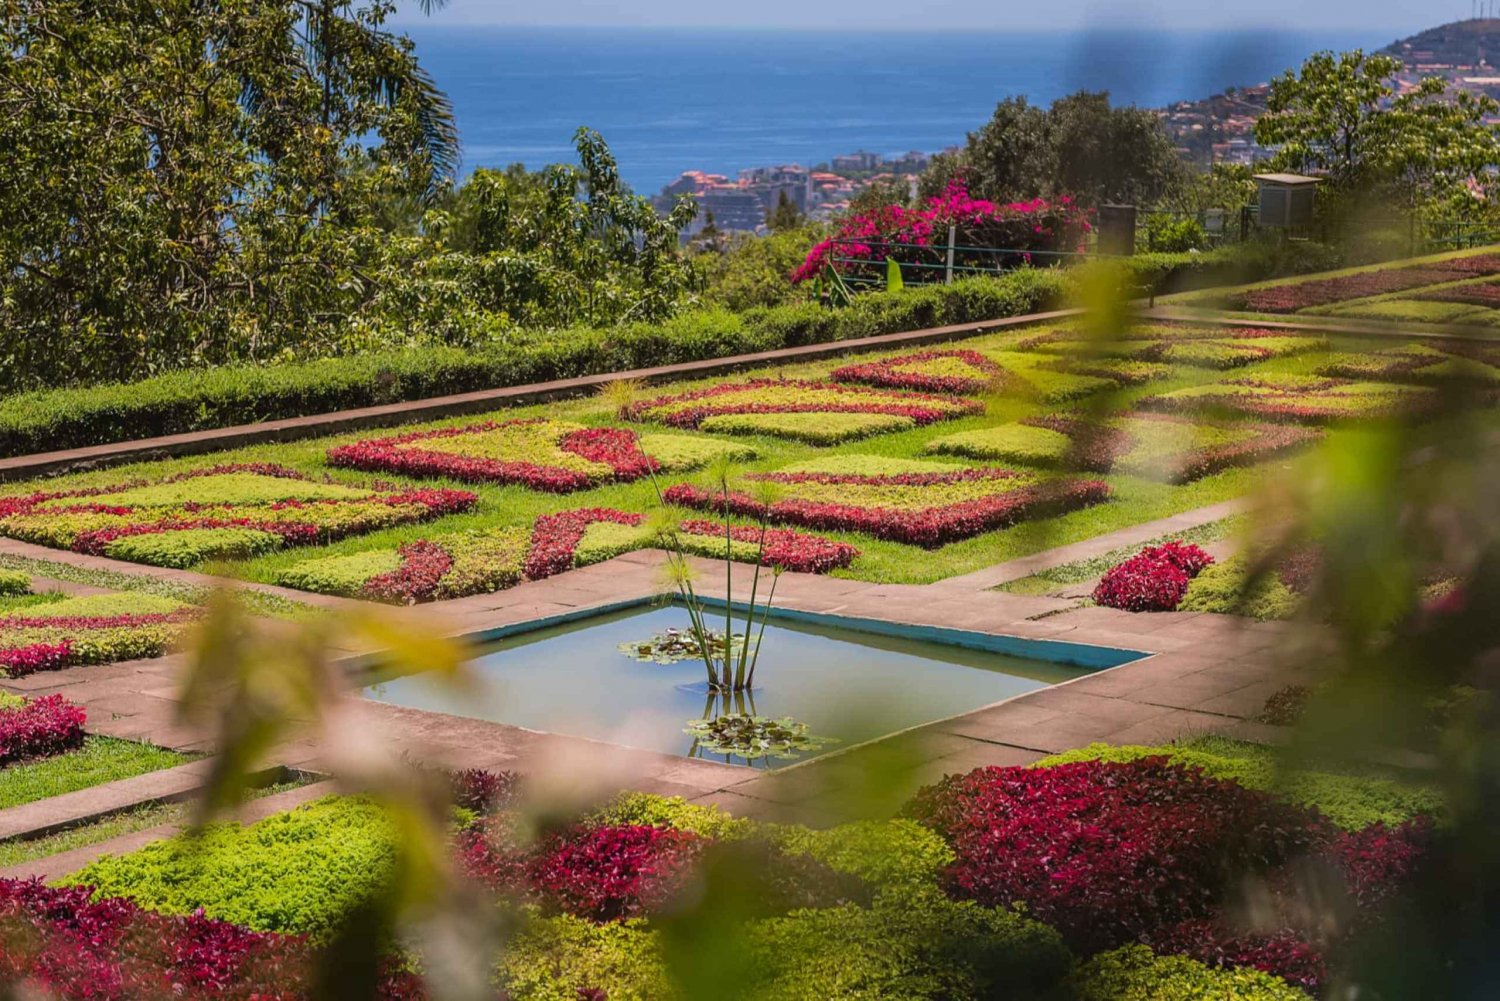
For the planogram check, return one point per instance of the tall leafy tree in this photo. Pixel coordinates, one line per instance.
(1343, 117)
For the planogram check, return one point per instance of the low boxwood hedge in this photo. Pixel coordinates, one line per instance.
(185, 401)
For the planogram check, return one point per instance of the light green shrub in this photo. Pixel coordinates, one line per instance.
(298, 872)
(1224, 588)
(339, 575)
(556, 958)
(814, 428)
(188, 547)
(14, 583)
(1008, 442)
(675, 452)
(881, 852)
(672, 811)
(1135, 973)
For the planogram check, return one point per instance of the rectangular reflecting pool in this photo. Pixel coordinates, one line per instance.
(845, 685)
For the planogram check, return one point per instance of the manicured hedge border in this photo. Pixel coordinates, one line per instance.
(220, 397)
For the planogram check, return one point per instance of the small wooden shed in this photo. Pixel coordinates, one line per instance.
(1286, 200)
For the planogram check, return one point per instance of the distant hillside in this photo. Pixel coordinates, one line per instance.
(1463, 43)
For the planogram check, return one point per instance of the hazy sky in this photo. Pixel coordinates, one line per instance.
(1400, 16)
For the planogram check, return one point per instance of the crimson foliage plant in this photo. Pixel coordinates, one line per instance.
(1153, 580)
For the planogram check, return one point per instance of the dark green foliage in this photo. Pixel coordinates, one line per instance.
(228, 395)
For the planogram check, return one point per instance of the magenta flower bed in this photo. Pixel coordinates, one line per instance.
(60, 942)
(39, 728)
(688, 410)
(1302, 295)
(919, 236)
(555, 538)
(930, 527)
(615, 448)
(906, 372)
(1153, 580)
(1111, 853)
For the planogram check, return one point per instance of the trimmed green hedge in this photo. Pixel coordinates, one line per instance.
(220, 397)
(1233, 264)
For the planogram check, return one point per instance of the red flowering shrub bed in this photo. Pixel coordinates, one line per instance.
(1153, 580)
(546, 455)
(954, 371)
(555, 538)
(759, 398)
(1295, 296)
(918, 237)
(791, 550)
(39, 728)
(452, 565)
(94, 629)
(1298, 400)
(59, 942)
(221, 511)
(909, 505)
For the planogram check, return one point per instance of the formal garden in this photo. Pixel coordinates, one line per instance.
(1014, 580)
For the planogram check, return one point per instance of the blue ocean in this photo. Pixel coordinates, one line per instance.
(722, 100)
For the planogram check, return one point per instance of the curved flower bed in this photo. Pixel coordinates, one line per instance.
(1295, 296)
(957, 371)
(1307, 401)
(221, 511)
(1181, 344)
(1156, 446)
(924, 509)
(785, 396)
(1153, 580)
(90, 630)
(540, 454)
(39, 728)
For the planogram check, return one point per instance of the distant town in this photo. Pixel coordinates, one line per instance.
(1217, 129)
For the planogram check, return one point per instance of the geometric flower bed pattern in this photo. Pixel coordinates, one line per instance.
(547, 455)
(821, 412)
(1153, 580)
(1158, 446)
(1200, 347)
(919, 503)
(460, 564)
(1486, 294)
(226, 511)
(1439, 362)
(961, 372)
(1301, 295)
(94, 629)
(1296, 399)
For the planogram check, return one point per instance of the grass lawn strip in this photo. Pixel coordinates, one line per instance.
(99, 760)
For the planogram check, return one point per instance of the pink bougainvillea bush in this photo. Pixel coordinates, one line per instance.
(1179, 344)
(1032, 231)
(39, 728)
(93, 629)
(1298, 399)
(822, 412)
(546, 455)
(1294, 296)
(224, 511)
(950, 371)
(924, 504)
(1153, 580)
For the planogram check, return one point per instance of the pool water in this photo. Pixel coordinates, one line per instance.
(846, 685)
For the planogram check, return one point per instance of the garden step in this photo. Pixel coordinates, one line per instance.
(55, 866)
(46, 816)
